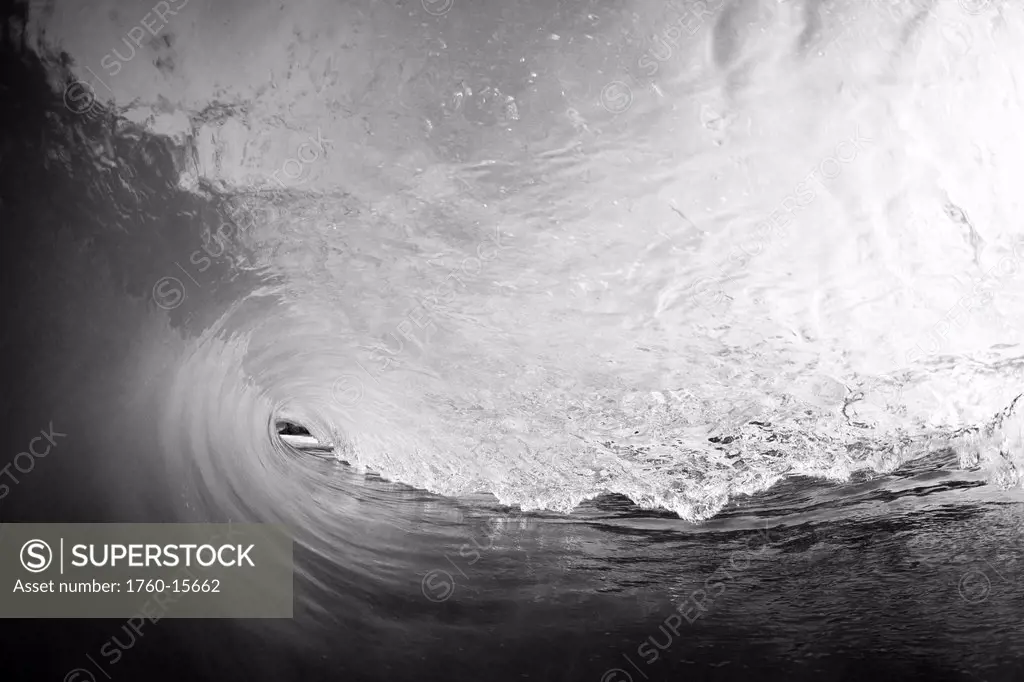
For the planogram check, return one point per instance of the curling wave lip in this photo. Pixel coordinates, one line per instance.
(306, 443)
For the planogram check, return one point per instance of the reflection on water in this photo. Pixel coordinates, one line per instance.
(465, 334)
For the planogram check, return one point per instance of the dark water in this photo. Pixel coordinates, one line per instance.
(169, 416)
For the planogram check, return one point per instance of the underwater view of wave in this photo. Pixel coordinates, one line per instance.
(568, 341)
